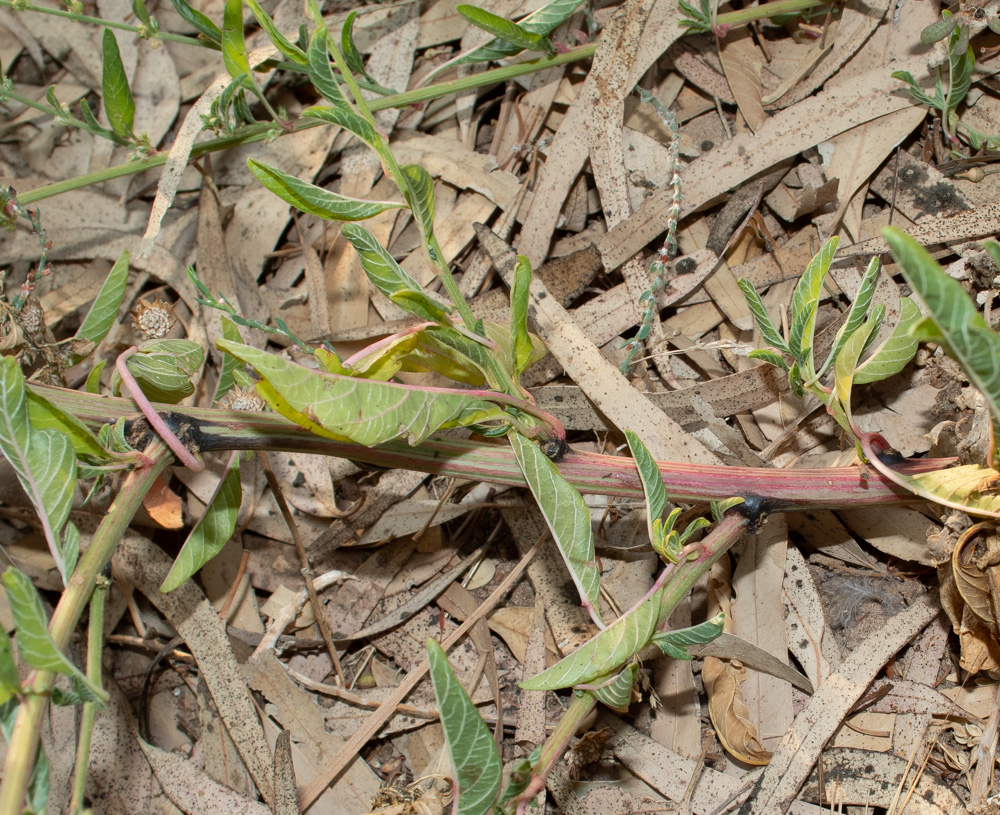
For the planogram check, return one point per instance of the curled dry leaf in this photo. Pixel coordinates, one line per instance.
(729, 713)
(974, 562)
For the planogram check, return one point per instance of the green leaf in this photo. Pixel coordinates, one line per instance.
(390, 278)
(543, 21)
(234, 47)
(805, 302)
(964, 333)
(673, 643)
(352, 56)
(321, 71)
(163, 369)
(568, 518)
(119, 106)
(34, 643)
(366, 412)
(198, 21)
(230, 365)
(769, 357)
(896, 352)
(505, 30)
(617, 692)
(315, 200)
(104, 311)
(844, 365)
(652, 482)
(767, 329)
(918, 93)
(213, 530)
(938, 30)
(856, 316)
(348, 120)
(419, 194)
(43, 460)
(474, 755)
(291, 51)
(10, 682)
(524, 348)
(93, 383)
(46, 416)
(606, 651)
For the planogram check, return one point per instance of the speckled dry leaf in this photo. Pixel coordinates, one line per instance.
(146, 566)
(794, 758)
(809, 637)
(742, 62)
(192, 791)
(786, 134)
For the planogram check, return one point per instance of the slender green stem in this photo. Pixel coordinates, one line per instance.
(60, 116)
(86, 18)
(27, 727)
(744, 16)
(95, 644)
(262, 131)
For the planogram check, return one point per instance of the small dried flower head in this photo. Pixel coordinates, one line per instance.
(153, 320)
(32, 317)
(244, 399)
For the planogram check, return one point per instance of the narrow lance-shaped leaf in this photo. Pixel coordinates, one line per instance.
(118, 103)
(652, 482)
(366, 412)
(954, 319)
(344, 117)
(419, 194)
(606, 651)
(198, 21)
(390, 278)
(46, 416)
(315, 200)
(43, 460)
(856, 316)
(213, 530)
(163, 369)
(352, 56)
(478, 770)
(767, 329)
(321, 71)
(234, 47)
(289, 49)
(543, 21)
(524, 349)
(673, 643)
(617, 693)
(34, 643)
(896, 352)
(805, 301)
(567, 517)
(104, 311)
(504, 29)
(844, 365)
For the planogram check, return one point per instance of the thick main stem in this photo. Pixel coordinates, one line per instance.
(216, 430)
(27, 728)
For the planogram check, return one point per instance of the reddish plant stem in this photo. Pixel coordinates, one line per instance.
(829, 488)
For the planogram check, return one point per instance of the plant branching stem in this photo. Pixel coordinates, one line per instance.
(27, 727)
(829, 488)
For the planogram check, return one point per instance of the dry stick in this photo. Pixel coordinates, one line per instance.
(373, 723)
(307, 572)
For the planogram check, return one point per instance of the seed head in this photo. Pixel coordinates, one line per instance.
(153, 320)
(244, 399)
(32, 317)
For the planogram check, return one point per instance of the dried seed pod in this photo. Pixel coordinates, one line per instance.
(153, 320)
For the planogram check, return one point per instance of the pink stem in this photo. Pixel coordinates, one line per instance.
(155, 420)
